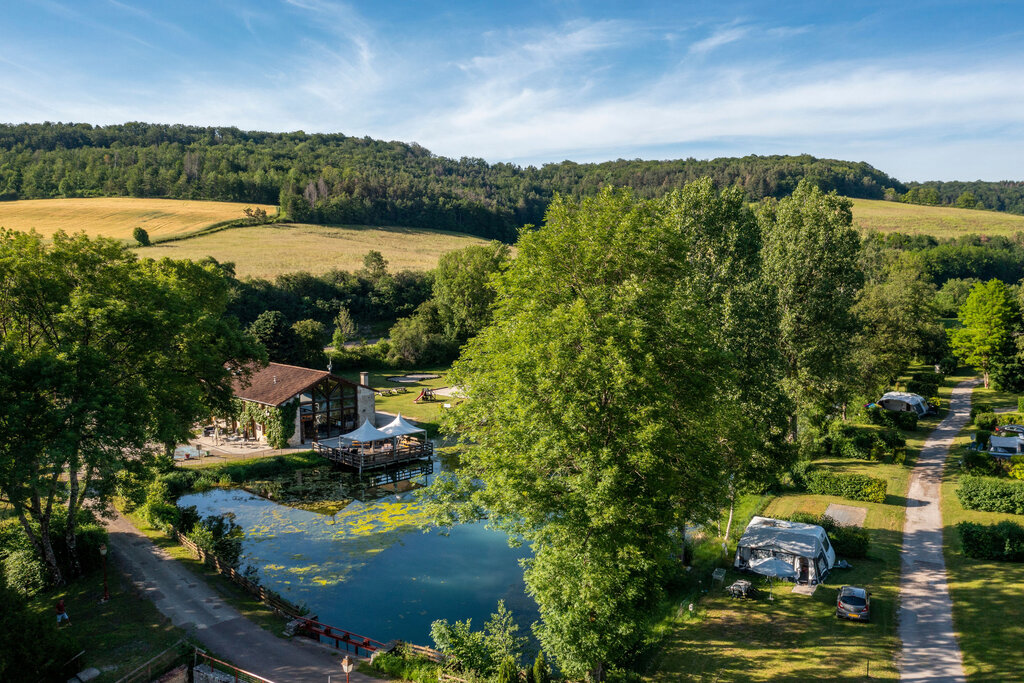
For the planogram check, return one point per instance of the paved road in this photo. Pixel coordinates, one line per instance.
(931, 651)
(193, 605)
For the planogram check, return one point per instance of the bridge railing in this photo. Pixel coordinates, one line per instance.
(217, 665)
(353, 642)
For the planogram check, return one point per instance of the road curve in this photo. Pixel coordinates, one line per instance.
(930, 650)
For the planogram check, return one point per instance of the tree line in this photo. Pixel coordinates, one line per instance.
(334, 178)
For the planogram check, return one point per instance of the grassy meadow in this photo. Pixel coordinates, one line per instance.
(118, 216)
(941, 222)
(265, 251)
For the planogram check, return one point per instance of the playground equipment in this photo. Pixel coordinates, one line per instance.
(425, 395)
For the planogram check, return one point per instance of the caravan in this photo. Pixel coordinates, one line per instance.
(796, 551)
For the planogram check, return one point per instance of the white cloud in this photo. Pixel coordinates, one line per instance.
(723, 36)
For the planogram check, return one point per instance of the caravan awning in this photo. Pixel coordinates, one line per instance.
(774, 567)
(401, 427)
(365, 433)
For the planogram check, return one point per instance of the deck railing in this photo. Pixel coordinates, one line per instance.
(351, 641)
(373, 459)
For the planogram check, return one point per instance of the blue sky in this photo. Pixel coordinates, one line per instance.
(922, 90)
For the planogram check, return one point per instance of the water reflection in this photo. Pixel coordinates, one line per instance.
(369, 568)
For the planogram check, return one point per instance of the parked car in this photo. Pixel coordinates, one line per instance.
(1016, 430)
(853, 603)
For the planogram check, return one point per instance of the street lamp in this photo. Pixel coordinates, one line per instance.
(347, 665)
(103, 553)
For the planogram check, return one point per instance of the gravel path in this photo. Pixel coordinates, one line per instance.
(930, 649)
(190, 603)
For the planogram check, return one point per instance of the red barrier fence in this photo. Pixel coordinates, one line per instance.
(353, 642)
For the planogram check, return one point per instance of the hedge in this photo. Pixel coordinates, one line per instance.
(986, 421)
(991, 495)
(847, 541)
(889, 418)
(852, 486)
(925, 389)
(1009, 418)
(925, 376)
(868, 443)
(1003, 541)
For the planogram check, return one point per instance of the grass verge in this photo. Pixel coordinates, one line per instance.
(118, 635)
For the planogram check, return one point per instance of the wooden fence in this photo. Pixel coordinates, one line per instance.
(170, 658)
(267, 597)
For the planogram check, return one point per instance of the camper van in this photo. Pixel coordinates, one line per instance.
(804, 548)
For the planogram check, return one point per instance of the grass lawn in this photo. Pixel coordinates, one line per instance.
(266, 251)
(117, 636)
(233, 594)
(426, 413)
(985, 594)
(118, 216)
(939, 221)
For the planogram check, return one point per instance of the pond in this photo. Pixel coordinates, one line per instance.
(368, 568)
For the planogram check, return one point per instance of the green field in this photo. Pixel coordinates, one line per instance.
(118, 216)
(938, 221)
(266, 251)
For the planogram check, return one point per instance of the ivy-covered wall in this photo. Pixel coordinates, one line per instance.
(278, 423)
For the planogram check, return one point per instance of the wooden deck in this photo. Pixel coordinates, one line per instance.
(371, 460)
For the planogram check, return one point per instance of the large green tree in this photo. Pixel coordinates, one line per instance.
(102, 357)
(462, 288)
(811, 258)
(603, 395)
(985, 326)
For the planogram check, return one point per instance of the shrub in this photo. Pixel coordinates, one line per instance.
(925, 376)
(980, 408)
(978, 463)
(925, 389)
(991, 495)
(801, 468)
(141, 236)
(1020, 404)
(852, 486)
(1009, 418)
(1003, 541)
(948, 365)
(179, 482)
(890, 418)
(541, 672)
(399, 665)
(899, 456)
(24, 573)
(848, 541)
(985, 421)
(508, 672)
(981, 436)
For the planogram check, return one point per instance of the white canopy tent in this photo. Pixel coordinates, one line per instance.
(401, 427)
(367, 433)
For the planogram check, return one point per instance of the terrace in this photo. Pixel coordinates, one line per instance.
(369, 448)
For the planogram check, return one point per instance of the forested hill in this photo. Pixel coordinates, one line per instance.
(335, 178)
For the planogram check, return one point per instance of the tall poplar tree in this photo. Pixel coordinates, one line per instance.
(811, 259)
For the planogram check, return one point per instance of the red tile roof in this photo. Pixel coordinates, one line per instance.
(277, 383)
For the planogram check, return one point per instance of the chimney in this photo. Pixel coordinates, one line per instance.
(275, 379)
(364, 378)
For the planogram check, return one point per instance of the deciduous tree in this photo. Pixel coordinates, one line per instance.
(984, 331)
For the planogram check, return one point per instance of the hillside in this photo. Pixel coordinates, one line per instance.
(267, 251)
(343, 180)
(941, 222)
(118, 216)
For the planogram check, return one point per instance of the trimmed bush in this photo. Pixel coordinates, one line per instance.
(1020, 404)
(980, 408)
(948, 365)
(1003, 541)
(852, 486)
(985, 421)
(1009, 418)
(991, 495)
(926, 389)
(978, 463)
(847, 541)
(926, 376)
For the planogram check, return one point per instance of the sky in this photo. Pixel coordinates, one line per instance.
(922, 90)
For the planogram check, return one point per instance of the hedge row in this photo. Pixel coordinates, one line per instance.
(868, 443)
(925, 389)
(847, 541)
(889, 418)
(1003, 541)
(929, 377)
(991, 495)
(852, 486)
